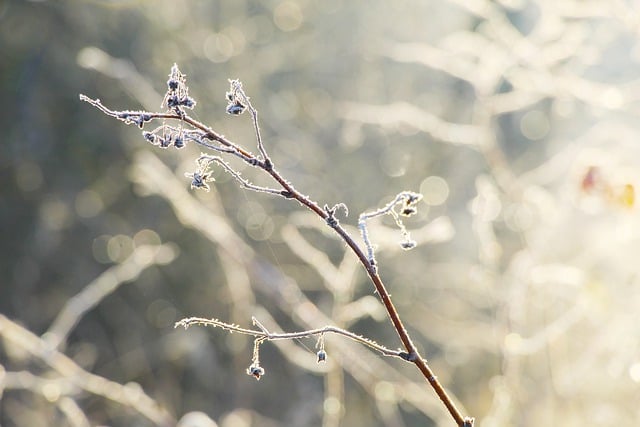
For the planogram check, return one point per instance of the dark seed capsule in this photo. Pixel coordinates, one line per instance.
(188, 102)
(235, 109)
(149, 137)
(408, 211)
(322, 356)
(173, 101)
(408, 244)
(255, 371)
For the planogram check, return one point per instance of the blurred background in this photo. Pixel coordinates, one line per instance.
(516, 119)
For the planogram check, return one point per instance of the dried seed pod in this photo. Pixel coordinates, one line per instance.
(255, 371)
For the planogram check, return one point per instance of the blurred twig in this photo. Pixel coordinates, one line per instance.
(129, 395)
(140, 259)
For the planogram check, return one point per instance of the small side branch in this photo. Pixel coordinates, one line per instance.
(238, 103)
(408, 200)
(263, 334)
(202, 175)
(331, 219)
(139, 118)
(128, 116)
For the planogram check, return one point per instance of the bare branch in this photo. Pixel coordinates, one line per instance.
(264, 334)
(177, 100)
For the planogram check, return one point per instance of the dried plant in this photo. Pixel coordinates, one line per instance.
(177, 128)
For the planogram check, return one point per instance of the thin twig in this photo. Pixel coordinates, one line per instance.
(263, 333)
(244, 99)
(409, 199)
(245, 183)
(126, 116)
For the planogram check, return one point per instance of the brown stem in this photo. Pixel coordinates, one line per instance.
(412, 352)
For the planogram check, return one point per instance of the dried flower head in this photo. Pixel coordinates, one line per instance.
(408, 244)
(255, 371)
(236, 98)
(201, 176)
(177, 95)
